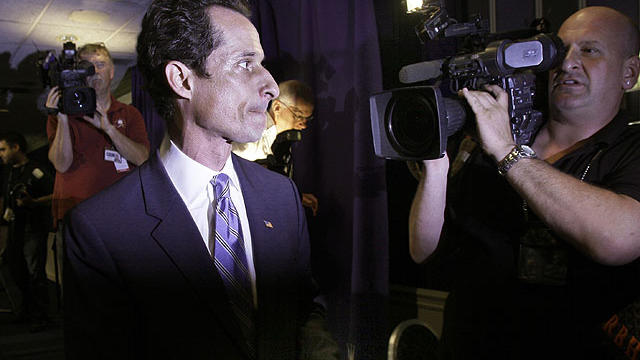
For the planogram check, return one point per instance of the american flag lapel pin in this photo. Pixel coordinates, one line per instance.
(268, 224)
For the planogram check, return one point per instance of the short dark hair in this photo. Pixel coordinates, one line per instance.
(13, 138)
(177, 30)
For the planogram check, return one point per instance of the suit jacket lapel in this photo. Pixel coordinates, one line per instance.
(178, 236)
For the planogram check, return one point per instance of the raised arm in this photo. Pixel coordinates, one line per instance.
(598, 222)
(427, 211)
(134, 152)
(61, 148)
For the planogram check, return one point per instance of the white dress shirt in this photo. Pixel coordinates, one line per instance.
(192, 181)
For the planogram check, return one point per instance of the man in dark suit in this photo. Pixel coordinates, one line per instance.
(143, 277)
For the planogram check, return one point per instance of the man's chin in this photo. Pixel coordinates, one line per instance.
(569, 104)
(248, 137)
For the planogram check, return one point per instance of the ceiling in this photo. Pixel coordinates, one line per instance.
(27, 26)
(30, 26)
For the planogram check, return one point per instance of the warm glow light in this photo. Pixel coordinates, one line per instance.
(67, 37)
(414, 5)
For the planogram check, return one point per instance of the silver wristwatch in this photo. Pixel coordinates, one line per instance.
(518, 152)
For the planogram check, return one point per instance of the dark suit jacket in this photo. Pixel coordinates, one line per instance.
(139, 282)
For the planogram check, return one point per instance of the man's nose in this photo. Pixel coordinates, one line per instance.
(572, 59)
(269, 88)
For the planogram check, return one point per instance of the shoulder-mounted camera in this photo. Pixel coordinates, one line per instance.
(413, 123)
(69, 73)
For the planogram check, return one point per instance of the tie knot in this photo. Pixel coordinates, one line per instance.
(220, 184)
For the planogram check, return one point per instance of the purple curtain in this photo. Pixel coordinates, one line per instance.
(142, 101)
(333, 46)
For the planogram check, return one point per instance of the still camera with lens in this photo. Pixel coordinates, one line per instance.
(70, 73)
(413, 123)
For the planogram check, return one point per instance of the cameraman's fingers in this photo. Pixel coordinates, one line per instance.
(498, 93)
(478, 100)
(53, 97)
(54, 90)
(95, 120)
(100, 109)
(103, 120)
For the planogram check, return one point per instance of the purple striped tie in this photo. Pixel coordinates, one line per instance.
(230, 259)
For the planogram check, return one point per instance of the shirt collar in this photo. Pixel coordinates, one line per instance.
(610, 132)
(115, 105)
(188, 176)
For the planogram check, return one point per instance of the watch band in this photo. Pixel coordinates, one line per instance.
(518, 152)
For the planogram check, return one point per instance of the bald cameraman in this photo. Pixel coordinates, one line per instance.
(547, 250)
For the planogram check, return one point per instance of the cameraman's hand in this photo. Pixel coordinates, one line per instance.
(25, 201)
(310, 201)
(9, 215)
(492, 118)
(99, 119)
(53, 99)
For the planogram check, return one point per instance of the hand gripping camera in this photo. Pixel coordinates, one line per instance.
(413, 123)
(70, 75)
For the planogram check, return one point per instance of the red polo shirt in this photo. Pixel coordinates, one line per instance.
(90, 172)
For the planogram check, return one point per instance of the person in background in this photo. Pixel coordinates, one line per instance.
(90, 153)
(26, 195)
(546, 235)
(287, 116)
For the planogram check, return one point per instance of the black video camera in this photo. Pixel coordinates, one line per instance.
(414, 123)
(70, 74)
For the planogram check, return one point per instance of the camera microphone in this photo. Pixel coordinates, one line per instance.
(421, 71)
(540, 53)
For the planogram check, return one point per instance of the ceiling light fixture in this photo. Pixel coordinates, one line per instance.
(88, 16)
(66, 38)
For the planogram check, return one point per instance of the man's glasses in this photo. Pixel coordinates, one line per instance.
(297, 113)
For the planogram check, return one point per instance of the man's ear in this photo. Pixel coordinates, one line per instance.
(276, 106)
(630, 72)
(276, 109)
(179, 77)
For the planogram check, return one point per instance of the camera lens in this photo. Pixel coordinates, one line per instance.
(78, 97)
(78, 100)
(411, 123)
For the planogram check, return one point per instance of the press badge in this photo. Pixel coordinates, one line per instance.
(119, 162)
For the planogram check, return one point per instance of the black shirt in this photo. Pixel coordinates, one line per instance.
(37, 182)
(491, 310)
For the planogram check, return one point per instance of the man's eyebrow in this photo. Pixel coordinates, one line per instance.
(248, 54)
(251, 54)
(590, 42)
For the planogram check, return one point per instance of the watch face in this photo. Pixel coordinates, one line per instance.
(527, 150)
